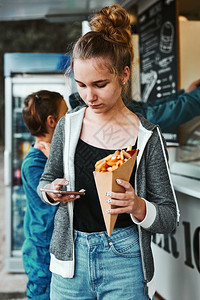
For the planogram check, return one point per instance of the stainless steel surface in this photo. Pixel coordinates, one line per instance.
(73, 10)
(60, 10)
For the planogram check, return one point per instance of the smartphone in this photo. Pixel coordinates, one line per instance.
(61, 192)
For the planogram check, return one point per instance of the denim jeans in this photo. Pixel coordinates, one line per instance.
(107, 268)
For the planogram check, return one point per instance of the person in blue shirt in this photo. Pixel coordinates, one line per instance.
(168, 112)
(42, 110)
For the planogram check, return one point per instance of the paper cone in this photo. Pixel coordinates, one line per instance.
(106, 182)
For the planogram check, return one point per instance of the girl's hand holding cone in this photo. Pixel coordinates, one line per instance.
(127, 202)
(107, 181)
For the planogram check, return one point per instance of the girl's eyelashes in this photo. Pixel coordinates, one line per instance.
(81, 85)
(101, 85)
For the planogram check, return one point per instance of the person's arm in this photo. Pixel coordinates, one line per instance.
(173, 111)
(176, 112)
(193, 86)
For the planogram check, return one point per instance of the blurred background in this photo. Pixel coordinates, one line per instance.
(37, 28)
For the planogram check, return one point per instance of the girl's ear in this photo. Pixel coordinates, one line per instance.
(125, 75)
(50, 122)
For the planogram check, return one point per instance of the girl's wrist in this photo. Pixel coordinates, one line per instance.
(140, 212)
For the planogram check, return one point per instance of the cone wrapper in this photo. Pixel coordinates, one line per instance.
(106, 182)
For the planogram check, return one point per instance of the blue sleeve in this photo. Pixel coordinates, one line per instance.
(170, 112)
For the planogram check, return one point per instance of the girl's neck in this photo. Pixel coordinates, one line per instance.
(106, 116)
(110, 131)
(47, 139)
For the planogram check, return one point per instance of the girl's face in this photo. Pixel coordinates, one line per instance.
(97, 86)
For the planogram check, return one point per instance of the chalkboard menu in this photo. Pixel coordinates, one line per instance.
(158, 50)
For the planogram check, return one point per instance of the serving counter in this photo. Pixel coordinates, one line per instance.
(177, 256)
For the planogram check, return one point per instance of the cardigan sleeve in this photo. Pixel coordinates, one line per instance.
(54, 165)
(154, 185)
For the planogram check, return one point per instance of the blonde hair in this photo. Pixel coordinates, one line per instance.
(110, 38)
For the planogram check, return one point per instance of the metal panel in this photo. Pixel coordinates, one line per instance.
(11, 10)
(73, 10)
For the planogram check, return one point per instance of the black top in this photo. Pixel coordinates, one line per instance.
(88, 216)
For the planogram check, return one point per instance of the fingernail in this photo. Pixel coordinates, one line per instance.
(78, 196)
(109, 201)
(118, 180)
(108, 194)
(108, 211)
(71, 196)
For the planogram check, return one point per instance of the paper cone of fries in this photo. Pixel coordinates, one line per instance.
(106, 182)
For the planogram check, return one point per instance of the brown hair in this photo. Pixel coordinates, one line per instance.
(38, 106)
(110, 37)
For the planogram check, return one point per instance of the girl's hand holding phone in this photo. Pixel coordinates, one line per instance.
(57, 191)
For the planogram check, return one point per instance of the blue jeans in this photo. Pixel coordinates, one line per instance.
(107, 268)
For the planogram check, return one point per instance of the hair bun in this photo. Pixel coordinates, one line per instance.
(109, 38)
(113, 21)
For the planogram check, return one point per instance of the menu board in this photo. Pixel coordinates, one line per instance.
(158, 50)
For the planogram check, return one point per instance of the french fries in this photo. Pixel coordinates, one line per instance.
(113, 161)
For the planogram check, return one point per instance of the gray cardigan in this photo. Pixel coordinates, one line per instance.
(152, 183)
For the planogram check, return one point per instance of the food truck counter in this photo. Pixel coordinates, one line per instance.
(177, 255)
(187, 186)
